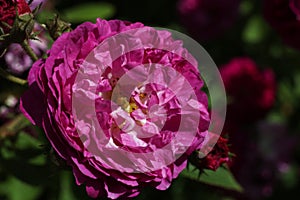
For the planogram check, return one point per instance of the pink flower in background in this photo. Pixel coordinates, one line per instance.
(207, 19)
(251, 92)
(48, 103)
(8, 108)
(35, 3)
(284, 17)
(8, 12)
(17, 59)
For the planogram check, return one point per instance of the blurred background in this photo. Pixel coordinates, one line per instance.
(256, 46)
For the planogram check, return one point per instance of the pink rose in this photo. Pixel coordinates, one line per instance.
(124, 129)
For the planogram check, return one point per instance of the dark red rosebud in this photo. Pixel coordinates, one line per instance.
(8, 12)
(216, 157)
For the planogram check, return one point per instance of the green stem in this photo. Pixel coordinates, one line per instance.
(12, 78)
(25, 45)
(14, 126)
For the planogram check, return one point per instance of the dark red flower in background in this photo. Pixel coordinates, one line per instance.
(295, 6)
(207, 19)
(8, 12)
(284, 17)
(251, 93)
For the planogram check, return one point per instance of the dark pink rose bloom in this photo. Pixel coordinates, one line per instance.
(8, 12)
(207, 19)
(284, 17)
(48, 104)
(251, 92)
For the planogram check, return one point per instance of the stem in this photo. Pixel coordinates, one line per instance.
(25, 45)
(14, 126)
(12, 78)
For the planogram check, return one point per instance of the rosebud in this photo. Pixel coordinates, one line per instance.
(22, 28)
(57, 26)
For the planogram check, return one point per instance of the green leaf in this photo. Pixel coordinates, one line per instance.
(220, 178)
(255, 30)
(31, 174)
(246, 7)
(26, 141)
(289, 177)
(15, 189)
(66, 189)
(88, 12)
(25, 160)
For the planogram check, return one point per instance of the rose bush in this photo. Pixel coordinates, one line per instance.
(48, 104)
